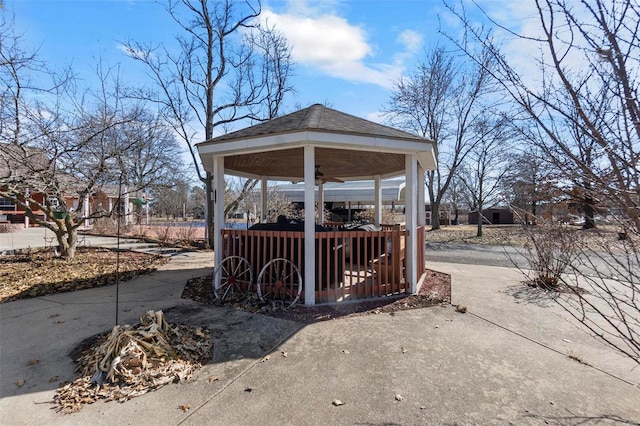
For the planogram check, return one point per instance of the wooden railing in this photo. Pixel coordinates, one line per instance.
(349, 264)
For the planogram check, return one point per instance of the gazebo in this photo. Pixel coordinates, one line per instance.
(315, 145)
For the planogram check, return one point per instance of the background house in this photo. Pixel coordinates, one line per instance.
(494, 216)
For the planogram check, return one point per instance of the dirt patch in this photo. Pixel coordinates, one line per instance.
(556, 288)
(435, 290)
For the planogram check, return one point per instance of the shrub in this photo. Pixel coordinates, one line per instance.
(550, 251)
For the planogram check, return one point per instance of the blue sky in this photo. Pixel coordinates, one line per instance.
(347, 53)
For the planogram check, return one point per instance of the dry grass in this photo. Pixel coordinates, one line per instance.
(39, 273)
(512, 234)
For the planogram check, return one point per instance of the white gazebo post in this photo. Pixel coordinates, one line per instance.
(378, 201)
(263, 199)
(218, 213)
(309, 227)
(411, 172)
(321, 203)
(422, 213)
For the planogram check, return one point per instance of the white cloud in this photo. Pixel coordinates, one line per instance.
(134, 53)
(377, 117)
(324, 40)
(524, 54)
(332, 45)
(412, 40)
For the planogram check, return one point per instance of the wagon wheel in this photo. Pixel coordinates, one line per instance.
(280, 280)
(235, 276)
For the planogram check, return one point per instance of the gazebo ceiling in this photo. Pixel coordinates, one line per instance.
(346, 147)
(338, 163)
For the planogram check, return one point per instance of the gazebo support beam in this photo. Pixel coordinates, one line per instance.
(321, 203)
(377, 220)
(422, 217)
(263, 199)
(218, 211)
(309, 227)
(411, 204)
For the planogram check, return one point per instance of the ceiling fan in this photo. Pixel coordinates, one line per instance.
(321, 178)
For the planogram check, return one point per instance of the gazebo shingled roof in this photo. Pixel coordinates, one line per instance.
(347, 147)
(318, 117)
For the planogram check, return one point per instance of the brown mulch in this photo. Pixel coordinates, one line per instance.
(40, 272)
(436, 290)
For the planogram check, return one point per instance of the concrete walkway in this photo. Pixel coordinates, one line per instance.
(503, 362)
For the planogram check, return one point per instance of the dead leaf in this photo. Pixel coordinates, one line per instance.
(404, 351)
(184, 407)
(53, 379)
(265, 358)
(248, 389)
(284, 354)
(213, 379)
(33, 362)
(20, 383)
(346, 352)
(337, 402)
(462, 309)
(399, 397)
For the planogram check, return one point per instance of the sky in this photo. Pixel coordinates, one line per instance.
(347, 53)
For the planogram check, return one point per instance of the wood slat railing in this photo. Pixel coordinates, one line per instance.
(349, 264)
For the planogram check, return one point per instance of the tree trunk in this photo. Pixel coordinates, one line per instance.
(435, 215)
(480, 220)
(589, 212)
(209, 219)
(67, 241)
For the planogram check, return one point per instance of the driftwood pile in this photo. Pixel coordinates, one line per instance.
(132, 360)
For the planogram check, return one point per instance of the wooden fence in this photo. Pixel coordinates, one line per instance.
(349, 264)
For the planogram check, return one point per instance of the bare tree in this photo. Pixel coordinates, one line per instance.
(441, 101)
(58, 145)
(456, 196)
(590, 56)
(227, 68)
(531, 182)
(486, 165)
